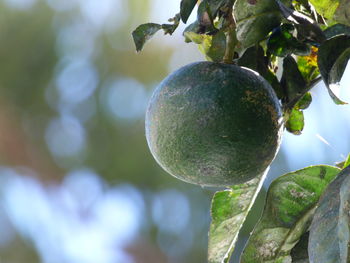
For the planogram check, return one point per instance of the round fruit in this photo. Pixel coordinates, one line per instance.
(214, 124)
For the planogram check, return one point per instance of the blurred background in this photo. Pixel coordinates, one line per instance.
(77, 182)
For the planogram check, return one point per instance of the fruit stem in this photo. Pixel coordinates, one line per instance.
(231, 38)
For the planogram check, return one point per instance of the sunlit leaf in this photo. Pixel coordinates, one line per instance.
(295, 122)
(229, 210)
(191, 31)
(290, 204)
(143, 33)
(329, 232)
(342, 14)
(333, 56)
(186, 7)
(347, 162)
(308, 65)
(325, 8)
(194, 37)
(212, 46)
(304, 102)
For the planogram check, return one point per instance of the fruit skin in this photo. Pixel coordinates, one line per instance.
(214, 124)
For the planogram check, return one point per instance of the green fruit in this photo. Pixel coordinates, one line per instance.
(214, 124)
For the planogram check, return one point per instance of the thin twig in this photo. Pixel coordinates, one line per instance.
(231, 38)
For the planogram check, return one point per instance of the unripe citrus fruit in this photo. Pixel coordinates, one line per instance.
(214, 124)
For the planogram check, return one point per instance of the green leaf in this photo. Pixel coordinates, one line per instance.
(325, 8)
(293, 83)
(347, 162)
(339, 66)
(282, 43)
(214, 49)
(205, 19)
(279, 41)
(186, 7)
(295, 122)
(170, 28)
(255, 59)
(304, 102)
(333, 56)
(342, 14)
(212, 46)
(308, 66)
(216, 5)
(290, 204)
(191, 31)
(143, 33)
(255, 20)
(228, 211)
(344, 163)
(194, 37)
(308, 30)
(329, 232)
(337, 29)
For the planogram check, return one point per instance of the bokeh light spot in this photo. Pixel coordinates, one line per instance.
(20, 4)
(120, 213)
(65, 136)
(84, 186)
(109, 14)
(59, 231)
(62, 5)
(76, 81)
(125, 99)
(76, 39)
(171, 211)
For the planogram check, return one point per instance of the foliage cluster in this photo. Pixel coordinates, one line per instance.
(306, 215)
